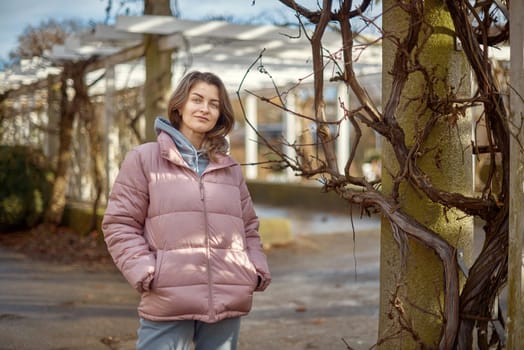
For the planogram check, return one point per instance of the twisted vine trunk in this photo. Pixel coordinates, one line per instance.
(69, 111)
(488, 275)
(425, 197)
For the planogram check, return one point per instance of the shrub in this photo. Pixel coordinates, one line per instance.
(26, 185)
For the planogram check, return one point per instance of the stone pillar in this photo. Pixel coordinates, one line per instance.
(251, 138)
(53, 117)
(291, 133)
(111, 130)
(343, 140)
(421, 286)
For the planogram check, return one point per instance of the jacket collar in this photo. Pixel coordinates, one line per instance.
(169, 151)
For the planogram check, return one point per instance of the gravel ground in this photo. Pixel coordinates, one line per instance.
(324, 295)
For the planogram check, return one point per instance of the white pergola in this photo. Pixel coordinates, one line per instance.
(228, 49)
(215, 45)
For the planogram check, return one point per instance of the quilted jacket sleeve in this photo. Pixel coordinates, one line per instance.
(254, 245)
(123, 223)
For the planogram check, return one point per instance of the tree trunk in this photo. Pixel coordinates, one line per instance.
(56, 206)
(53, 114)
(69, 111)
(93, 126)
(411, 276)
(158, 70)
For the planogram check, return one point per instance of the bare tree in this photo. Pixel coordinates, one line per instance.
(413, 121)
(70, 109)
(35, 40)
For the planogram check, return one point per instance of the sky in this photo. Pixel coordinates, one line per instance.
(16, 15)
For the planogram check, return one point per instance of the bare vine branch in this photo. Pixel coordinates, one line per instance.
(477, 25)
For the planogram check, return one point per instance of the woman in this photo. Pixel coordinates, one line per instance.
(181, 227)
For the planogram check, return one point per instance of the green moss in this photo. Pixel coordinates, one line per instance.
(297, 196)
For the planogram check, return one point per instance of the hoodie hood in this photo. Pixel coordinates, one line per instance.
(195, 159)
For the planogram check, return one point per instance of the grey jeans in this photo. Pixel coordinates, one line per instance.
(180, 335)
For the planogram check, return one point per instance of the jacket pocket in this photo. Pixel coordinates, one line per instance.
(253, 272)
(158, 267)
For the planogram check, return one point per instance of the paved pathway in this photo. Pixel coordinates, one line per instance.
(314, 301)
(49, 306)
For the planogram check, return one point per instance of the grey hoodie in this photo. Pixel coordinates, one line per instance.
(196, 159)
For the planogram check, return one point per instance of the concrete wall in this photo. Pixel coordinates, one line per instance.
(272, 230)
(294, 195)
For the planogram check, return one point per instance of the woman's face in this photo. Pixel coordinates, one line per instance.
(201, 111)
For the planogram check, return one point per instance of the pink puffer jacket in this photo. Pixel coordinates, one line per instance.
(190, 245)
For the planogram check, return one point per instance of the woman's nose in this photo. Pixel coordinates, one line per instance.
(205, 107)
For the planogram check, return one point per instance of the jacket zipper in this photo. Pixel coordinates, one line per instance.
(208, 251)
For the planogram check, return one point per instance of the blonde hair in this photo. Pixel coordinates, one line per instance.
(215, 140)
